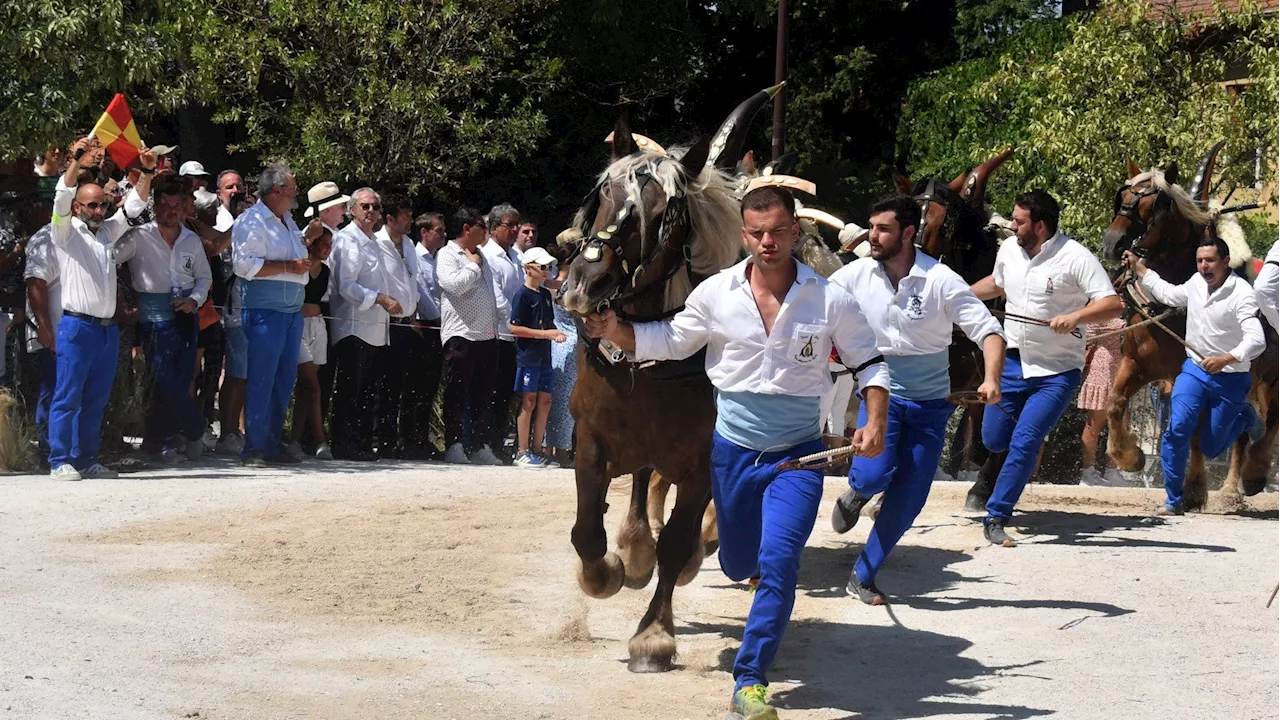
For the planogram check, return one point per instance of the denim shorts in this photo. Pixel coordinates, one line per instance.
(237, 353)
(534, 379)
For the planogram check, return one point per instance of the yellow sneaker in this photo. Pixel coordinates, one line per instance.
(749, 703)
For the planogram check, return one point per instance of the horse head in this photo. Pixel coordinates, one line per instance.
(1150, 209)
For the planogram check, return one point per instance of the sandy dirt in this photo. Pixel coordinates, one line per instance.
(427, 591)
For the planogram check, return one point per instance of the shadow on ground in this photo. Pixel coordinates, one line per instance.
(1077, 529)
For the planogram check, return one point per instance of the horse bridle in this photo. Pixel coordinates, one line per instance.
(1139, 229)
(947, 231)
(673, 237)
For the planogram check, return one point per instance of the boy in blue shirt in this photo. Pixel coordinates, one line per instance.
(533, 324)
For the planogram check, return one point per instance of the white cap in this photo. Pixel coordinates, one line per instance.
(191, 167)
(537, 256)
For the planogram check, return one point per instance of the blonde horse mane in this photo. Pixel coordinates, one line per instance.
(714, 215)
(1186, 206)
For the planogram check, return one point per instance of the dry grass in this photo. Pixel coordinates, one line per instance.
(17, 436)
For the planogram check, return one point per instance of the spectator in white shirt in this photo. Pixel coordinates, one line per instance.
(425, 351)
(527, 235)
(508, 275)
(172, 279)
(230, 184)
(44, 307)
(469, 331)
(271, 265)
(768, 324)
(1267, 287)
(1223, 336)
(401, 261)
(88, 339)
(1060, 285)
(362, 307)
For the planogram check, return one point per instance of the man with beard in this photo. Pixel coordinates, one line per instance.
(88, 339)
(1223, 336)
(768, 324)
(1053, 285)
(270, 260)
(911, 301)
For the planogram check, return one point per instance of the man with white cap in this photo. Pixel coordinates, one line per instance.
(88, 339)
(195, 174)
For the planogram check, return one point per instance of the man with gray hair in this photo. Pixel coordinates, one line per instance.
(269, 258)
(508, 279)
(362, 306)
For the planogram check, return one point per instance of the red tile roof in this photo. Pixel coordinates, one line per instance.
(1205, 7)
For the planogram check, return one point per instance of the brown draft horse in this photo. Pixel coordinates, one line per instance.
(656, 224)
(1157, 219)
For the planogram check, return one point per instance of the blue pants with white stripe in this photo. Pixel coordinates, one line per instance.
(765, 517)
(86, 367)
(274, 340)
(1221, 397)
(171, 361)
(1027, 412)
(914, 435)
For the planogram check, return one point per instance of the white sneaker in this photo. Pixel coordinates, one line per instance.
(1115, 478)
(324, 452)
(484, 456)
(1089, 477)
(65, 472)
(455, 455)
(230, 444)
(195, 448)
(98, 471)
(294, 450)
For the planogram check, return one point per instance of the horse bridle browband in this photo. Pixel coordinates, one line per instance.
(674, 218)
(947, 231)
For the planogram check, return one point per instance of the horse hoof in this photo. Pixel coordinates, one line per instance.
(652, 650)
(1130, 459)
(638, 583)
(601, 578)
(975, 504)
(710, 547)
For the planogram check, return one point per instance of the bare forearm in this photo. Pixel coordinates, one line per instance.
(993, 349)
(624, 336)
(38, 296)
(987, 289)
(877, 400)
(1100, 311)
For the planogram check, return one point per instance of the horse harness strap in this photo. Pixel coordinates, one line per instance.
(945, 233)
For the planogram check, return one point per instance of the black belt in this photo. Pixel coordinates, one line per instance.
(401, 321)
(90, 318)
(1013, 353)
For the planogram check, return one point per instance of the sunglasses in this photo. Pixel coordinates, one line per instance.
(508, 225)
(371, 206)
(104, 205)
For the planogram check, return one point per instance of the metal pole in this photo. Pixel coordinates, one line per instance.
(780, 75)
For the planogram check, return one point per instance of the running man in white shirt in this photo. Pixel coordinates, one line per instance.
(1223, 336)
(88, 339)
(911, 301)
(1056, 285)
(1267, 287)
(768, 324)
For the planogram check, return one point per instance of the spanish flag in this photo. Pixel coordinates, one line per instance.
(117, 133)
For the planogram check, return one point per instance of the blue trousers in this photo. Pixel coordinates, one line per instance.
(765, 517)
(274, 339)
(48, 381)
(1029, 408)
(1194, 392)
(913, 440)
(86, 367)
(171, 362)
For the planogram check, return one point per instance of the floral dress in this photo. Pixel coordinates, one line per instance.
(1101, 361)
(564, 367)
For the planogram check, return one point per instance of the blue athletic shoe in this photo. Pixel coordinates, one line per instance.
(548, 462)
(527, 459)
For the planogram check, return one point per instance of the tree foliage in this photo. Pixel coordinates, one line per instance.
(1077, 98)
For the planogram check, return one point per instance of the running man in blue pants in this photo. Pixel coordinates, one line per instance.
(1223, 335)
(87, 340)
(911, 301)
(1053, 285)
(768, 324)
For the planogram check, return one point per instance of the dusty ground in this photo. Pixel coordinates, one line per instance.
(412, 591)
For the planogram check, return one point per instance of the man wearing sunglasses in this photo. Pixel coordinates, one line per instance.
(362, 307)
(86, 232)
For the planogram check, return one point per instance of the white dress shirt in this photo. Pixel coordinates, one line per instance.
(1062, 278)
(721, 314)
(1267, 287)
(42, 263)
(468, 306)
(428, 288)
(508, 278)
(359, 276)
(916, 318)
(88, 260)
(401, 265)
(224, 221)
(1222, 322)
(258, 236)
(158, 268)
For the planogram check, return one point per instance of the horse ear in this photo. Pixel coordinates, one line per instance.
(623, 143)
(957, 184)
(784, 165)
(1134, 170)
(695, 158)
(1171, 173)
(748, 164)
(902, 183)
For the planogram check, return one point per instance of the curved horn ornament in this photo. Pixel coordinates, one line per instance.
(726, 144)
(1200, 184)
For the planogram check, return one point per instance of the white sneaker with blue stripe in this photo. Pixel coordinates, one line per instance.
(527, 459)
